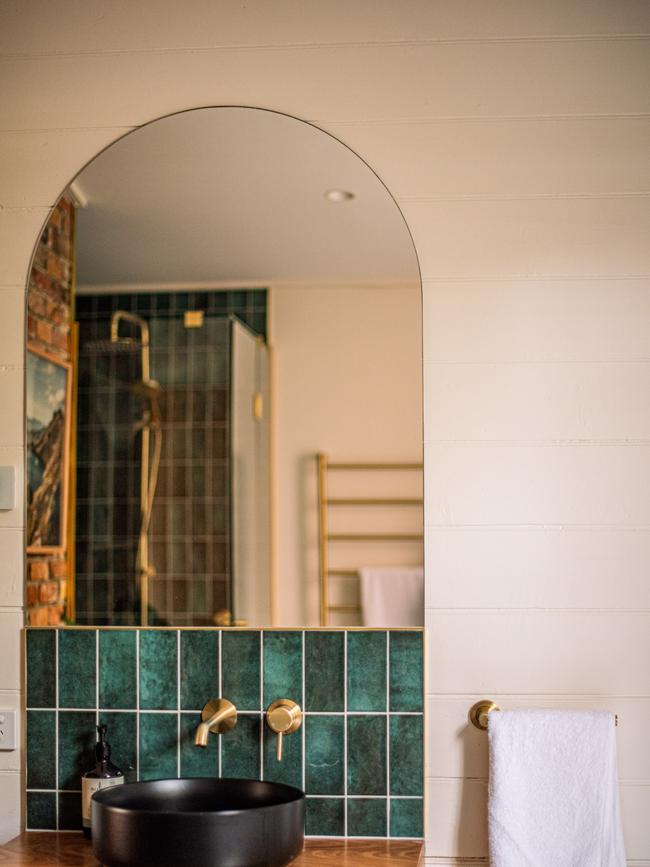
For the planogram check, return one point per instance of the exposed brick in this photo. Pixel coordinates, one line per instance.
(49, 592)
(60, 339)
(37, 304)
(38, 617)
(31, 327)
(59, 569)
(39, 280)
(62, 245)
(39, 570)
(54, 615)
(32, 594)
(57, 268)
(44, 331)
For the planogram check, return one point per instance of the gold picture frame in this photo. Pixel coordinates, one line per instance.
(48, 405)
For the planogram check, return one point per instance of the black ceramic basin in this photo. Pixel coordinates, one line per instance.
(198, 823)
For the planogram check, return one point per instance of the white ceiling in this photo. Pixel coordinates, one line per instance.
(235, 195)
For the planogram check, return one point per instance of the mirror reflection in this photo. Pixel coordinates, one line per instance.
(224, 385)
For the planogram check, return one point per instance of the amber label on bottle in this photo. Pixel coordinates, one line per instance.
(90, 785)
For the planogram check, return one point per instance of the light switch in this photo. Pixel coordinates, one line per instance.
(7, 488)
(7, 730)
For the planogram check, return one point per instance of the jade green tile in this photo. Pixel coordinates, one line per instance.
(158, 669)
(282, 666)
(77, 668)
(122, 735)
(69, 811)
(406, 818)
(240, 669)
(240, 748)
(41, 811)
(325, 817)
(77, 738)
(406, 686)
(117, 668)
(158, 746)
(41, 749)
(367, 817)
(367, 755)
(41, 668)
(198, 761)
(324, 671)
(406, 746)
(199, 668)
(367, 671)
(324, 755)
(289, 770)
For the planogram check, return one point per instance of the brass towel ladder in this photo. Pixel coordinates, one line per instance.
(325, 537)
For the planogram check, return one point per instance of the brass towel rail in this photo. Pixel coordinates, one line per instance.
(479, 713)
(325, 538)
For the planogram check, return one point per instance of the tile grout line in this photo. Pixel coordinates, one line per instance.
(244, 710)
(261, 649)
(97, 677)
(388, 734)
(220, 690)
(345, 734)
(178, 704)
(304, 725)
(137, 705)
(56, 722)
(372, 797)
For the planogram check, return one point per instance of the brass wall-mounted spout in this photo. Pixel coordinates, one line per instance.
(218, 716)
(283, 717)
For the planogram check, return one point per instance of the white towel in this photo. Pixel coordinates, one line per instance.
(553, 796)
(392, 595)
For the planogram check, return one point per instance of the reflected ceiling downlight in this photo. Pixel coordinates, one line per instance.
(339, 195)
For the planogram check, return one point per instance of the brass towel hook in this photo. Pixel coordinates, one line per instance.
(479, 712)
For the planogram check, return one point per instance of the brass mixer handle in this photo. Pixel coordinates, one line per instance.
(283, 717)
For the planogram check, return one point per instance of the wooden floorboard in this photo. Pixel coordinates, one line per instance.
(30, 850)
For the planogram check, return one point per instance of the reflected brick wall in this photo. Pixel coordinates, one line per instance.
(49, 314)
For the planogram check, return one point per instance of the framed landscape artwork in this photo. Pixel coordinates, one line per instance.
(48, 433)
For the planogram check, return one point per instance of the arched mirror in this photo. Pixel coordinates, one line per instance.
(224, 419)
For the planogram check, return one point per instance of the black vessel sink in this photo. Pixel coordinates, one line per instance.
(198, 823)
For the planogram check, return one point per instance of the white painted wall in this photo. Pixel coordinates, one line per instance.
(347, 382)
(515, 138)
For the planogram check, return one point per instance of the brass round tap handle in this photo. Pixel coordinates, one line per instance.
(283, 717)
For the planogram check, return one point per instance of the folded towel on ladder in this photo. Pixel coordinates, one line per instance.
(553, 793)
(392, 595)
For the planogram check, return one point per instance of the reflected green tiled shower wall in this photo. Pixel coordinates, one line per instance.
(358, 754)
(189, 533)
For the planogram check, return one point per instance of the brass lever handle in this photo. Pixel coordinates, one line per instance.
(283, 717)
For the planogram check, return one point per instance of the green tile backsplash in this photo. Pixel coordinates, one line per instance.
(77, 669)
(367, 674)
(358, 754)
(324, 671)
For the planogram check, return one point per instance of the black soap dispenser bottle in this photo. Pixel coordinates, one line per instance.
(103, 775)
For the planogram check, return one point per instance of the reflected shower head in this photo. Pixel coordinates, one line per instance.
(124, 344)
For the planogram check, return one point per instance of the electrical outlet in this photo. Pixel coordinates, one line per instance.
(7, 729)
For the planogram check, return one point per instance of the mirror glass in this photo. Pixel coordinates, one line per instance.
(224, 421)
